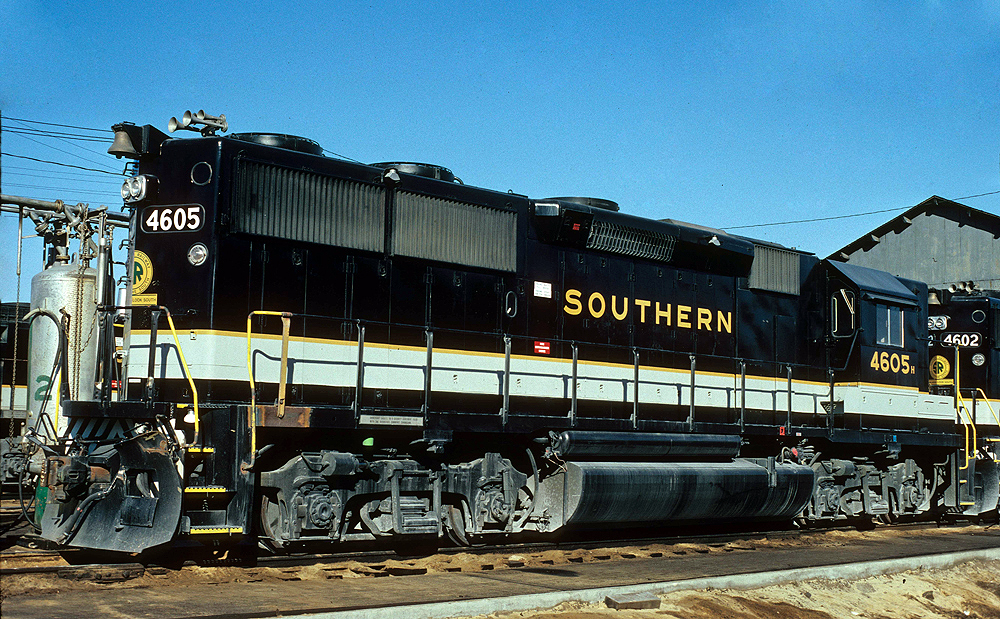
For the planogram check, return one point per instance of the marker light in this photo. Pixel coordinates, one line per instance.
(198, 254)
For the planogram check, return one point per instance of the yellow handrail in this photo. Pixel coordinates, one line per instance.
(960, 406)
(971, 423)
(187, 374)
(988, 405)
(251, 421)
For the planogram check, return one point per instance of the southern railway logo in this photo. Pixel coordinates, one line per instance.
(142, 272)
(939, 367)
(665, 314)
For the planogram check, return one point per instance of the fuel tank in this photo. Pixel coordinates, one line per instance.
(645, 493)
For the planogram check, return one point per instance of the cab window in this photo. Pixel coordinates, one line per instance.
(888, 325)
(842, 314)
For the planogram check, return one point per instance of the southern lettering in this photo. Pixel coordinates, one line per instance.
(654, 312)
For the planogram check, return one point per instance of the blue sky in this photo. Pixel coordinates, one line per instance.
(724, 114)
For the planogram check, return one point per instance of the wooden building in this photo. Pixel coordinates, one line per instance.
(940, 242)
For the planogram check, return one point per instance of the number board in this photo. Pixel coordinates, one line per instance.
(173, 218)
(962, 340)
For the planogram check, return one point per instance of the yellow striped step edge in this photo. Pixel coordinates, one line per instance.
(216, 531)
(203, 489)
(201, 450)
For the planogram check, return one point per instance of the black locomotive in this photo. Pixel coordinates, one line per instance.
(324, 351)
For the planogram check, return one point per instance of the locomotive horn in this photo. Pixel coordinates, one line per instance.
(173, 124)
(211, 123)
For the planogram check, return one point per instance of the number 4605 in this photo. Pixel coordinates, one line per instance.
(892, 362)
(172, 219)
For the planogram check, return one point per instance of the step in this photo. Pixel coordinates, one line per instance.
(205, 489)
(201, 450)
(216, 531)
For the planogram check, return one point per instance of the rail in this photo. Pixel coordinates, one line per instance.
(283, 377)
(187, 373)
(969, 453)
(632, 386)
(986, 399)
(149, 390)
(961, 406)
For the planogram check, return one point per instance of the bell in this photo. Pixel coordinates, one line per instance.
(122, 146)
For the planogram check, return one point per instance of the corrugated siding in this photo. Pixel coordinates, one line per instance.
(304, 206)
(938, 251)
(628, 241)
(775, 269)
(455, 232)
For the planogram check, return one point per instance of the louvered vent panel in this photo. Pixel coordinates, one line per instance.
(628, 241)
(304, 206)
(775, 269)
(455, 232)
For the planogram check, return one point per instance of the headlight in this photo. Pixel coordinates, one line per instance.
(198, 254)
(978, 359)
(138, 188)
(937, 323)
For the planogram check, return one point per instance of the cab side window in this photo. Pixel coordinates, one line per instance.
(889, 325)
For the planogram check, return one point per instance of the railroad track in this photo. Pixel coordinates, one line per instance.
(524, 555)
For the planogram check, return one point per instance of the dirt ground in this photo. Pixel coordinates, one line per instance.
(967, 591)
(971, 590)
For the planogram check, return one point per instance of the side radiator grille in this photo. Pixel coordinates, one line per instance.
(629, 241)
(455, 232)
(775, 269)
(303, 206)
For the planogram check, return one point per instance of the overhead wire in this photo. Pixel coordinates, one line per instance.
(33, 186)
(54, 176)
(815, 219)
(54, 134)
(803, 221)
(62, 189)
(89, 150)
(66, 165)
(39, 122)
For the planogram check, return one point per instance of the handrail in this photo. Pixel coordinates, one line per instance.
(285, 321)
(959, 407)
(187, 374)
(988, 405)
(972, 422)
(154, 320)
(575, 361)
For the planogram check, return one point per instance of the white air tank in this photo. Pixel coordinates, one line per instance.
(73, 288)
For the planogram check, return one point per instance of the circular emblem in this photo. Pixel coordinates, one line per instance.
(142, 272)
(939, 367)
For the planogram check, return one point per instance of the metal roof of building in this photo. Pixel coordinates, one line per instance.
(935, 205)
